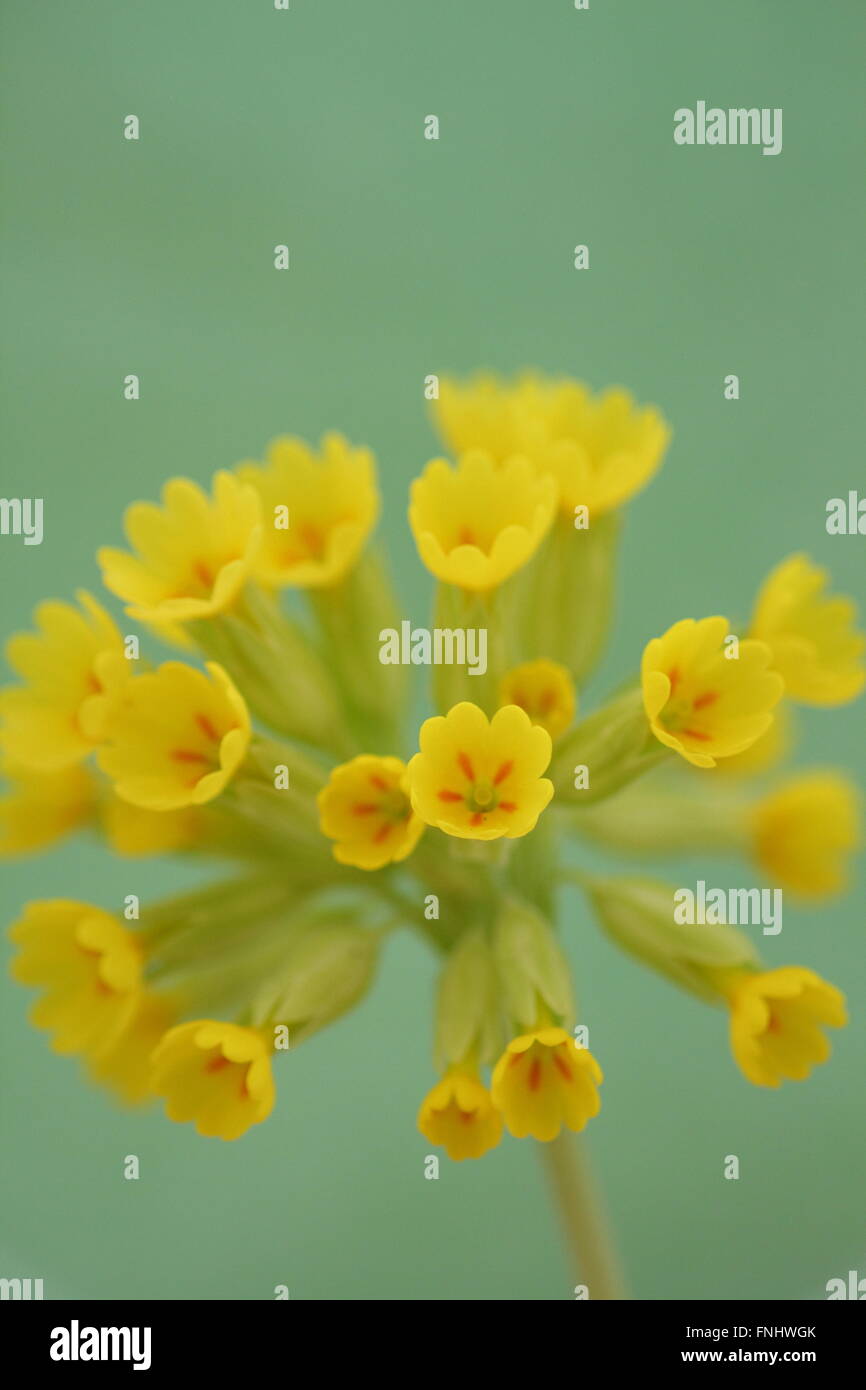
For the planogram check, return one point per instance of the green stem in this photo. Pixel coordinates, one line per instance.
(583, 1219)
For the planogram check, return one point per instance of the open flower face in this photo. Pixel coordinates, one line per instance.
(458, 1114)
(215, 1074)
(545, 690)
(88, 967)
(814, 639)
(776, 1022)
(600, 449)
(178, 739)
(480, 779)
(73, 671)
(318, 510)
(365, 809)
(192, 554)
(476, 524)
(542, 1082)
(701, 702)
(805, 832)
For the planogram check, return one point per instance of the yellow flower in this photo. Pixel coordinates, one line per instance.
(699, 701)
(475, 524)
(41, 807)
(767, 751)
(194, 552)
(805, 830)
(178, 739)
(87, 964)
(217, 1074)
(480, 779)
(458, 1114)
(542, 1082)
(73, 671)
(776, 1020)
(126, 1065)
(332, 506)
(601, 449)
(545, 690)
(813, 638)
(365, 808)
(134, 830)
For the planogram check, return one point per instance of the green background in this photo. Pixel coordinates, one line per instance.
(409, 257)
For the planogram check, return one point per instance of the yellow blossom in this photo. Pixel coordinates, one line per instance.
(88, 967)
(805, 830)
(318, 510)
(543, 1081)
(365, 808)
(125, 1066)
(41, 807)
(769, 750)
(73, 670)
(815, 643)
(776, 1021)
(600, 449)
(193, 553)
(458, 1114)
(178, 739)
(216, 1074)
(701, 702)
(480, 779)
(475, 524)
(134, 830)
(545, 690)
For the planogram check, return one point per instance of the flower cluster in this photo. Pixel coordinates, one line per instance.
(274, 741)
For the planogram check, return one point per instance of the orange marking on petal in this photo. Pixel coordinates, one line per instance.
(203, 574)
(383, 832)
(467, 1116)
(535, 1074)
(516, 1058)
(696, 733)
(477, 819)
(465, 766)
(709, 698)
(378, 782)
(508, 806)
(674, 678)
(562, 1066)
(547, 702)
(207, 728)
(466, 537)
(363, 808)
(449, 796)
(185, 755)
(217, 1063)
(502, 773)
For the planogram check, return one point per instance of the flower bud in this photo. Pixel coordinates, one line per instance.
(325, 971)
(608, 750)
(533, 972)
(467, 1008)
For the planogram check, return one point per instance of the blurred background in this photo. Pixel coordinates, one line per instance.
(409, 257)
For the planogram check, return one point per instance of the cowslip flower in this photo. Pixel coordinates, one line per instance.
(41, 807)
(88, 967)
(600, 449)
(476, 524)
(458, 1114)
(215, 1074)
(318, 510)
(815, 643)
(699, 701)
(135, 830)
(73, 671)
(805, 831)
(543, 1082)
(365, 808)
(178, 739)
(776, 1020)
(480, 778)
(192, 554)
(125, 1066)
(545, 690)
